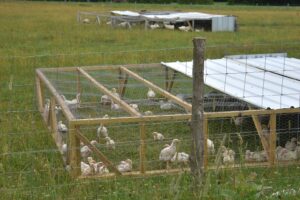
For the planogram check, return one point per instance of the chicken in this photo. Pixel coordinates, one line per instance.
(100, 168)
(94, 142)
(291, 145)
(62, 128)
(85, 169)
(210, 146)
(123, 24)
(169, 26)
(228, 156)
(134, 106)
(283, 154)
(181, 157)
(125, 166)
(114, 91)
(105, 100)
(86, 21)
(85, 152)
(158, 136)
(110, 144)
(148, 113)
(255, 156)
(154, 26)
(150, 94)
(46, 109)
(73, 102)
(165, 105)
(64, 152)
(115, 106)
(102, 131)
(168, 153)
(184, 28)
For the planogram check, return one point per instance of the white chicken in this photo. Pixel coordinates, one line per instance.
(57, 109)
(73, 102)
(165, 105)
(169, 26)
(85, 169)
(105, 100)
(123, 24)
(168, 153)
(154, 26)
(125, 166)
(86, 21)
(150, 94)
(291, 145)
(181, 157)
(114, 91)
(94, 142)
(110, 144)
(260, 156)
(101, 168)
(134, 106)
(85, 152)
(283, 154)
(158, 136)
(148, 113)
(102, 131)
(64, 149)
(62, 128)
(184, 28)
(210, 146)
(228, 156)
(115, 106)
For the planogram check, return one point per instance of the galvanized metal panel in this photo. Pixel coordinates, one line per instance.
(250, 82)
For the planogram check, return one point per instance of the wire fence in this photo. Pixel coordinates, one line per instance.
(31, 166)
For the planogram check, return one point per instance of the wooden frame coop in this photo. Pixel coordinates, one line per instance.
(125, 72)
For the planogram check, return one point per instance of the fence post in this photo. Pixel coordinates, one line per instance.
(197, 128)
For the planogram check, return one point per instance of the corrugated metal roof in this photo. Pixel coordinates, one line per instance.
(171, 15)
(264, 80)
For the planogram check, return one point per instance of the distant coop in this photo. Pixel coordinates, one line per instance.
(135, 119)
(172, 20)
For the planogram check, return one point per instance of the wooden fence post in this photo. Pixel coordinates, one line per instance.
(73, 151)
(197, 147)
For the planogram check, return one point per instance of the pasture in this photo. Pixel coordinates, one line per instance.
(40, 34)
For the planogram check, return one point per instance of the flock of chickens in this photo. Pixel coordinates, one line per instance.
(166, 25)
(169, 152)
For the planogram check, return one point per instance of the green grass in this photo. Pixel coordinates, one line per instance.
(36, 34)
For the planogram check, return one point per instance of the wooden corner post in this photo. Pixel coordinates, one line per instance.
(197, 128)
(73, 151)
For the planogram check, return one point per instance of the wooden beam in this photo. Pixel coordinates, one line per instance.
(98, 153)
(205, 131)
(157, 89)
(172, 81)
(101, 67)
(74, 157)
(142, 148)
(122, 83)
(272, 139)
(251, 112)
(114, 98)
(56, 136)
(39, 94)
(65, 109)
(166, 78)
(259, 131)
(151, 118)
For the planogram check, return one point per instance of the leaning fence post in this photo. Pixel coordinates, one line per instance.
(197, 128)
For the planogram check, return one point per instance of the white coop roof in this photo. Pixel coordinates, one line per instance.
(166, 15)
(264, 80)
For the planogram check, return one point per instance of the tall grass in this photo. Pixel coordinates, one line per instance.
(38, 34)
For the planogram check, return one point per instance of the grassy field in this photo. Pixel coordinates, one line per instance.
(37, 35)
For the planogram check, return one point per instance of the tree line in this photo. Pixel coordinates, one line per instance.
(232, 2)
